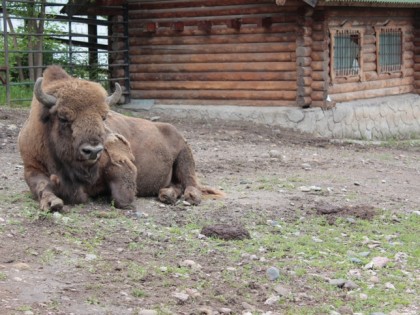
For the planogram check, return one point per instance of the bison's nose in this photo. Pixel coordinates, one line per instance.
(91, 152)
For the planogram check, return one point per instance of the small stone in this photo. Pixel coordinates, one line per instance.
(28, 313)
(364, 254)
(57, 216)
(18, 279)
(363, 296)
(90, 257)
(190, 264)
(338, 282)
(181, 296)
(225, 310)
(304, 188)
(378, 262)
(272, 300)
(389, 285)
(148, 312)
(273, 273)
(355, 260)
(186, 203)
(12, 127)
(205, 311)
(194, 293)
(155, 118)
(334, 313)
(274, 153)
(350, 285)
(377, 313)
(351, 220)
(281, 290)
(374, 279)
(21, 266)
(306, 166)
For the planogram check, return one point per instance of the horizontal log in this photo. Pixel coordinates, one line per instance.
(417, 84)
(318, 65)
(319, 55)
(304, 91)
(346, 79)
(206, 11)
(217, 76)
(318, 36)
(368, 14)
(303, 101)
(373, 75)
(369, 39)
(214, 39)
(139, 30)
(257, 103)
(319, 46)
(320, 75)
(304, 81)
(215, 85)
(167, 5)
(369, 85)
(416, 67)
(318, 95)
(416, 76)
(304, 71)
(215, 94)
(206, 67)
(317, 104)
(369, 49)
(416, 59)
(203, 49)
(369, 58)
(345, 97)
(204, 58)
(369, 66)
(319, 86)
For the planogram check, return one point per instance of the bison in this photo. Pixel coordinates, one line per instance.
(74, 147)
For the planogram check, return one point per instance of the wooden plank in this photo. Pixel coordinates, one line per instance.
(259, 103)
(204, 58)
(215, 94)
(215, 85)
(345, 97)
(369, 85)
(214, 39)
(206, 67)
(204, 49)
(219, 29)
(217, 76)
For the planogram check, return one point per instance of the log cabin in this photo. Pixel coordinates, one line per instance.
(306, 53)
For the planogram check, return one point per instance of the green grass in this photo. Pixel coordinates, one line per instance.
(20, 96)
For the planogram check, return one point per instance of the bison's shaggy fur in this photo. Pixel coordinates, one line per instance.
(74, 147)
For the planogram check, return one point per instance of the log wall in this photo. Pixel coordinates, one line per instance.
(216, 51)
(371, 83)
(417, 51)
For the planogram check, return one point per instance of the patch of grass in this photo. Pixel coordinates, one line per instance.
(136, 272)
(138, 293)
(93, 300)
(3, 276)
(23, 93)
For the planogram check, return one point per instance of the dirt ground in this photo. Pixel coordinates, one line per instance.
(107, 261)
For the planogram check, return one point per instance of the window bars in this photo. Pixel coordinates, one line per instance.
(389, 50)
(346, 52)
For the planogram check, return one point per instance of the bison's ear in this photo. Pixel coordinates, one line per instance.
(115, 97)
(45, 99)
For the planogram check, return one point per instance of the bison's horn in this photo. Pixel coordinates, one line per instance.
(45, 99)
(114, 98)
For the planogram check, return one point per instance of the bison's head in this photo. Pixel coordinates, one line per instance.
(74, 111)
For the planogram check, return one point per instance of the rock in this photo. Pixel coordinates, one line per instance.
(356, 260)
(338, 282)
(364, 254)
(306, 166)
(154, 118)
(350, 285)
(193, 292)
(272, 300)
(226, 232)
(389, 285)
(181, 296)
(225, 310)
(148, 312)
(90, 257)
(28, 313)
(12, 127)
(21, 266)
(363, 296)
(190, 264)
(334, 313)
(274, 153)
(281, 290)
(205, 311)
(377, 263)
(374, 279)
(273, 273)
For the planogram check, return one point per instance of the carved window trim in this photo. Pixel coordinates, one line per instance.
(356, 68)
(391, 68)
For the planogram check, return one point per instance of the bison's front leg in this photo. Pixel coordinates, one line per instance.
(42, 188)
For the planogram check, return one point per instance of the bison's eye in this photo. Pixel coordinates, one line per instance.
(104, 117)
(63, 120)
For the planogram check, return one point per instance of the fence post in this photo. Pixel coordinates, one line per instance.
(6, 51)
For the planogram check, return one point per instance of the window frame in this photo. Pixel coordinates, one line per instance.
(333, 32)
(378, 31)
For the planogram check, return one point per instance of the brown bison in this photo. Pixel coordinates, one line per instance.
(74, 147)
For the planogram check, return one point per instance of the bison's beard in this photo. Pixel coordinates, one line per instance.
(74, 180)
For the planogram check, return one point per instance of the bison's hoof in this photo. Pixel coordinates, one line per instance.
(192, 195)
(52, 204)
(168, 195)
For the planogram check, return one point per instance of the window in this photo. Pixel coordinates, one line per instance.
(345, 53)
(389, 50)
